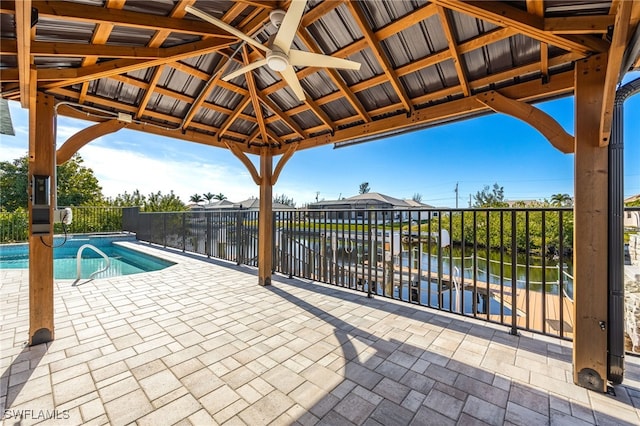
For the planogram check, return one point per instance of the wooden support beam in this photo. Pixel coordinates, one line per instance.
(23, 36)
(84, 136)
(590, 242)
(536, 118)
(613, 65)
(265, 219)
(42, 143)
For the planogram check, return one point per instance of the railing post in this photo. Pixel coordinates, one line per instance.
(184, 232)
(207, 234)
(368, 231)
(514, 276)
(239, 239)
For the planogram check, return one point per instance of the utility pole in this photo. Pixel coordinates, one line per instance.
(469, 200)
(456, 191)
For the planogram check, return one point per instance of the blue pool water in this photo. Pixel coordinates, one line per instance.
(123, 260)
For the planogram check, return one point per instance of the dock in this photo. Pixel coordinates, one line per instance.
(550, 313)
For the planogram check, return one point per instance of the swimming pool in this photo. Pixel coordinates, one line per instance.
(124, 261)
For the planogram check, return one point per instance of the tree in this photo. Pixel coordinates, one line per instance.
(158, 202)
(208, 196)
(196, 198)
(76, 184)
(220, 196)
(154, 202)
(13, 184)
(417, 197)
(490, 197)
(283, 199)
(136, 199)
(364, 188)
(561, 200)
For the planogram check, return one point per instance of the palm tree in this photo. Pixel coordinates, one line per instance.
(208, 196)
(220, 197)
(196, 198)
(561, 200)
(364, 188)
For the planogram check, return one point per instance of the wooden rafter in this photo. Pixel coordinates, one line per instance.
(109, 68)
(100, 37)
(536, 7)
(253, 93)
(386, 65)
(282, 116)
(337, 80)
(453, 49)
(157, 72)
(78, 12)
(241, 106)
(529, 25)
(156, 41)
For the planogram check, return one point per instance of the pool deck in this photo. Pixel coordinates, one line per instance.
(201, 343)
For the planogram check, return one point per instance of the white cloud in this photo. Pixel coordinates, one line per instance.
(124, 170)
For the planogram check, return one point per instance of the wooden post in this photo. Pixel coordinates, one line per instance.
(265, 219)
(42, 145)
(590, 228)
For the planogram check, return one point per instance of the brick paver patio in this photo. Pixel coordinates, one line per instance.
(201, 343)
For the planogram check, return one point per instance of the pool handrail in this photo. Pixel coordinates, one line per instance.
(79, 260)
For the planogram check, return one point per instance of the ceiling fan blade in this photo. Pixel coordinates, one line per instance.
(289, 25)
(223, 25)
(244, 69)
(290, 77)
(300, 58)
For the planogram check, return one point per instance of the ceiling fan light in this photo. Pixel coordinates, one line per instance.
(277, 61)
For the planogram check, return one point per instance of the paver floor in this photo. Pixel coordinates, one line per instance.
(201, 343)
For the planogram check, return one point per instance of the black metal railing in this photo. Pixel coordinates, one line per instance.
(508, 266)
(14, 226)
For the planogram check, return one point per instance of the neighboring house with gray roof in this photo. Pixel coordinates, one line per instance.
(357, 207)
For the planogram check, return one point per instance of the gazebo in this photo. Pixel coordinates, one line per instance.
(268, 79)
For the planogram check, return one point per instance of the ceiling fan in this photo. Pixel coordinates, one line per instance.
(279, 56)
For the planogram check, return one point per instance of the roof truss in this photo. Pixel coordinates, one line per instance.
(169, 80)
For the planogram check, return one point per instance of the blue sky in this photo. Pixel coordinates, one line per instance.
(472, 153)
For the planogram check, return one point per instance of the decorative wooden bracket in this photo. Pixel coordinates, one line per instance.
(245, 160)
(533, 116)
(252, 168)
(84, 136)
(283, 160)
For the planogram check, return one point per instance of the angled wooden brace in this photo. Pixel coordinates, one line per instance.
(84, 136)
(531, 115)
(283, 160)
(245, 160)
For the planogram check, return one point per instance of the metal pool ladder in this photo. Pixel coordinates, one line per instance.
(79, 260)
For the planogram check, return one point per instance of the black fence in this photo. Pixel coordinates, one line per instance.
(14, 226)
(508, 266)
